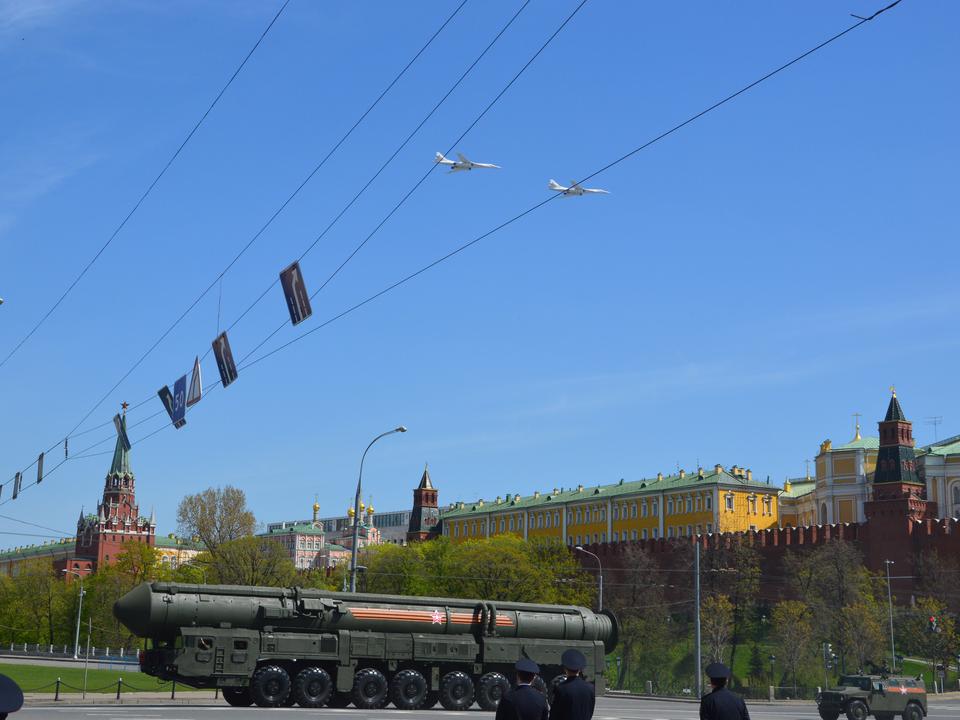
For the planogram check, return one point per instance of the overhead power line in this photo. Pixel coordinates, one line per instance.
(146, 192)
(520, 215)
(219, 277)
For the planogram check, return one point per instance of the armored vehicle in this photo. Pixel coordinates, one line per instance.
(858, 696)
(285, 646)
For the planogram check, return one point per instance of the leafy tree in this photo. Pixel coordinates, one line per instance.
(863, 632)
(940, 645)
(793, 633)
(716, 626)
(216, 516)
(249, 561)
(40, 598)
(938, 577)
(757, 666)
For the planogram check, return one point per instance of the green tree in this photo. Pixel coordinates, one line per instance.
(41, 600)
(793, 634)
(716, 627)
(249, 561)
(757, 666)
(216, 516)
(863, 632)
(938, 646)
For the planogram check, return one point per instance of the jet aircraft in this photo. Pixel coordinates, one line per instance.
(461, 163)
(574, 189)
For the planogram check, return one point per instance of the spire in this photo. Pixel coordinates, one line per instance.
(153, 518)
(121, 456)
(425, 483)
(894, 411)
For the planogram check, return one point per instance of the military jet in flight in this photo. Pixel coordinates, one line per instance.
(574, 189)
(461, 163)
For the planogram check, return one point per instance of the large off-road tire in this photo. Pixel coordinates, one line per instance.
(857, 710)
(312, 687)
(408, 690)
(827, 714)
(490, 690)
(370, 690)
(339, 700)
(456, 691)
(431, 700)
(912, 712)
(269, 686)
(237, 696)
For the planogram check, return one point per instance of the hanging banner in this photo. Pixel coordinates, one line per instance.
(169, 402)
(298, 300)
(40, 469)
(224, 356)
(121, 431)
(196, 385)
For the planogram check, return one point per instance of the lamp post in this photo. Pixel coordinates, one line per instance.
(893, 650)
(76, 640)
(356, 509)
(579, 548)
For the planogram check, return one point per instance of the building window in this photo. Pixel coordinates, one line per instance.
(689, 504)
(709, 528)
(699, 502)
(603, 537)
(586, 515)
(729, 499)
(644, 535)
(655, 533)
(546, 520)
(670, 532)
(689, 529)
(753, 504)
(615, 537)
(511, 523)
(753, 528)
(616, 512)
(633, 510)
(603, 514)
(655, 507)
(556, 519)
(579, 516)
(708, 502)
(643, 509)
(569, 539)
(578, 540)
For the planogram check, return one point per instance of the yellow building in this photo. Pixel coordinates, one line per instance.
(679, 505)
(174, 551)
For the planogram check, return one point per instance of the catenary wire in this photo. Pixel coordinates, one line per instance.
(269, 222)
(74, 432)
(413, 189)
(149, 189)
(536, 206)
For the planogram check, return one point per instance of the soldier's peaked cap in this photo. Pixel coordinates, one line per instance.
(527, 665)
(717, 670)
(573, 659)
(11, 697)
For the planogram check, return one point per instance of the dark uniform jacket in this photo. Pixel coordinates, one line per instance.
(573, 700)
(522, 703)
(722, 704)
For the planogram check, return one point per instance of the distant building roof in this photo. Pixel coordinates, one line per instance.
(865, 443)
(799, 487)
(634, 487)
(39, 550)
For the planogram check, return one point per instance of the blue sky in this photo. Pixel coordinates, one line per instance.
(750, 283)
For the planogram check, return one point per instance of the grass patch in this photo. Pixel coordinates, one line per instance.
(42, 678)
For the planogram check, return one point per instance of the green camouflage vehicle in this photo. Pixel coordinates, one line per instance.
(859, 696)
(285, 646)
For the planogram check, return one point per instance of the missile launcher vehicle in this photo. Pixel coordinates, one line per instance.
(285, 646)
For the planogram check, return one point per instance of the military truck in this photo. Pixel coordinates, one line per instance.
(858, 696)
(285, 646)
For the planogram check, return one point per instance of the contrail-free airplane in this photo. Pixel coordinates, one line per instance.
(461, 163)
(574, 189)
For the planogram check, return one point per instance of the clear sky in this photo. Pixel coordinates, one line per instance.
(751, 281)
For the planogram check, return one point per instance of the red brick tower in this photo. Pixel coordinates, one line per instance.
(425, 515)
(118, 522)
(899, 504)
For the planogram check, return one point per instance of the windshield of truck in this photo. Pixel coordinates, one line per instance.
(854, 681)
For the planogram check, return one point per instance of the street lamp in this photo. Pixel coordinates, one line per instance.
(356, 509)
(893, 650)
(773, 659)
(579, 548)
(76, 640)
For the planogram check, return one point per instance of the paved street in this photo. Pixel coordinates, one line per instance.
(607, 709)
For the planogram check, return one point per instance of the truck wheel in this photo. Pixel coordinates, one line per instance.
(237, 696)
(912, 712)
(408, 690)
(339, 700)
(369, 689)
(312, 687)
(828, 714)
(456, 691)
(431, 700)
(491, 688)
(857, 710)
(270, 686)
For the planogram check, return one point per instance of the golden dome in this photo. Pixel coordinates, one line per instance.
(350, 512)
(316, 507)
(370, 510)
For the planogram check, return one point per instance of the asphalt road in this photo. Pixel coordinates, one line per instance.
(607, 709)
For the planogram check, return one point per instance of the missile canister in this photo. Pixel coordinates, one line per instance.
(276, 646)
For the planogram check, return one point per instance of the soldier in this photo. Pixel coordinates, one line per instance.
(523, 702)
(721, 704)
(574, 697)
(11, 697)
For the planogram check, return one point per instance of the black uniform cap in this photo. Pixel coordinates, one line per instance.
(573, 660)
(717, 670)
(528, 666)
(11, 696)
